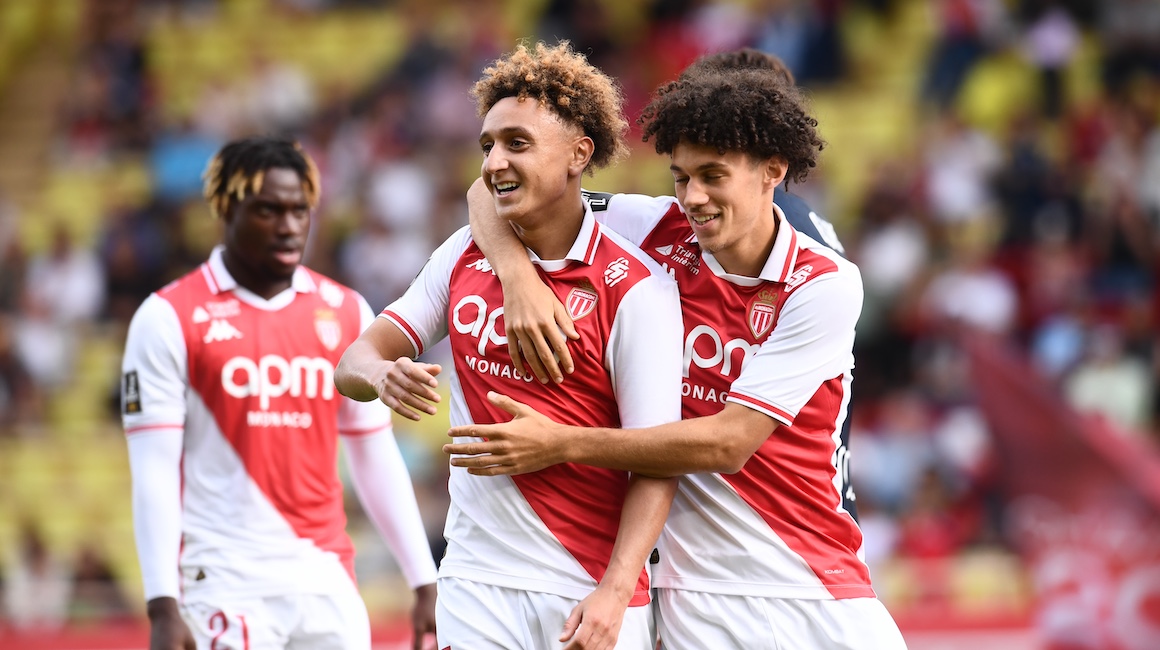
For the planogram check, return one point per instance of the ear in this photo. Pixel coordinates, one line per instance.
(582, 150)
(775, 170)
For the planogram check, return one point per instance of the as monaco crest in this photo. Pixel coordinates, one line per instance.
(328, 328)
(761, 313)
(581, 300)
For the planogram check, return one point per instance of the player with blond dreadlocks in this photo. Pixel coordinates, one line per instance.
(233, 423)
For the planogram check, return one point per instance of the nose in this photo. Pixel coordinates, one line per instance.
(292, 222)
(495, 161)
(694, 195)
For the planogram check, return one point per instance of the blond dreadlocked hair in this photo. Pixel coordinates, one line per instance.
(563, 81)
(237, 171)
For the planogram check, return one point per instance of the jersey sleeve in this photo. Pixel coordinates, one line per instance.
(644, 353)
(632, 216)
(812, 343)
(362, 418)
(155, 373)
(421, 312)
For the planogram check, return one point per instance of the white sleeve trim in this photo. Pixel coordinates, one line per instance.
(383, 486)
(155, 466)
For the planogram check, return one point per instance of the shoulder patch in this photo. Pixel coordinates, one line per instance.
(130, 393)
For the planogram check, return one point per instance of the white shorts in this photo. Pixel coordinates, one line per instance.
(474, 616)
(695, 619)
(291, 622)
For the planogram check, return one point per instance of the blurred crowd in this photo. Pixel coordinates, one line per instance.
(1040, 228)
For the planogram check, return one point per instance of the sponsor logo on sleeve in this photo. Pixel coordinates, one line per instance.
(481, 265)
(327, 327)
(130, 393)
(581, 300)
(761, 313)
(799, 276)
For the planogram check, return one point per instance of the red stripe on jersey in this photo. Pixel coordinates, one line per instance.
(764, 406)
(407, 329)
(791, 258)
(361, 432)
(794, 461)
(590, 252)
(210, 281)
(149, 427)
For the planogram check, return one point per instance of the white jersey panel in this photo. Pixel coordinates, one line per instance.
(633, 216)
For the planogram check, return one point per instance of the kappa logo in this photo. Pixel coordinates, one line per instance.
(200, 315)
(221, 330)
(581, 300)
(481, 265)
(665, 250)
(616, 271)
(761, 313)
(331, 294)
(799, 276)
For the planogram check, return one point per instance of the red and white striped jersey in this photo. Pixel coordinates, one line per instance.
(553, 530)
(782, 343)
(249, 384)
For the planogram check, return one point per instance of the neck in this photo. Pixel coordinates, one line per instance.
(251, 280)
(552, 238)
(748, 256)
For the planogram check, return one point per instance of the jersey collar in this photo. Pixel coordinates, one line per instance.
(779, 265)
(220, 280)
(583, 249)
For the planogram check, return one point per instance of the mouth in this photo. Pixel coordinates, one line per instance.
(290, 256)
(702, 219)
(505, 188)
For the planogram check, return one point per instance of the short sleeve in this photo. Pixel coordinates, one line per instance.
(812, 343)
(154, 370)
(644, 353)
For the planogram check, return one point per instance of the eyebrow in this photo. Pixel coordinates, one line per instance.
(712, 164)
(507, 130)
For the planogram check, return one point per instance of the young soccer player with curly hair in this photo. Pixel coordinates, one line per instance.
(555, 556)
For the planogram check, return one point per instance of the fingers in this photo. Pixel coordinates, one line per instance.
(571, 624)
(517, 358)
(564, 320)
(506, 403)
(546, 356)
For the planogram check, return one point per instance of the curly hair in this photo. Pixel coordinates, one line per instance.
(746, 110)
(745, 58)
(565, 82)
(239, 168)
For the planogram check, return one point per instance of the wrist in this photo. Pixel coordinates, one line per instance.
(162, 608)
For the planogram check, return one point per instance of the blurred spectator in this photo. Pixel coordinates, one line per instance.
(966, 29)
(279, 96)
(1050, 41)
(19, 399)
(1112, 383)
(960, 162)
(95, 592)
(66, 281)
(36, 586)
(1128, 32)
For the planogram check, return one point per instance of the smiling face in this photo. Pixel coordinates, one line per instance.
(728, 199)
(532, 160)
(266, 233)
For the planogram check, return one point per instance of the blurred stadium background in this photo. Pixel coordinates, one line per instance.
(992, 165)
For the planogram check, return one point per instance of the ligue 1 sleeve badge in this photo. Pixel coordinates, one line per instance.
(762, 312)
(328, 328)
(581, 300)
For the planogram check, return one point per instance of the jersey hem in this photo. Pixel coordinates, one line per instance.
(800, 592)
(523, 583)
(779, 414)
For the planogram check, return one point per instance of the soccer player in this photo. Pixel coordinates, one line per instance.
(563, 548)
(761, 548)
(233, 425)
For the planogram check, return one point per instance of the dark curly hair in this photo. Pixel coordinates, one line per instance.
(564, 81)
(746, 110)
(745, 58)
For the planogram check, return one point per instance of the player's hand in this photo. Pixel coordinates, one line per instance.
(405, 385)
(423, 618)
(528, 443)
(595, 623)
(536, 323)
(167, 630)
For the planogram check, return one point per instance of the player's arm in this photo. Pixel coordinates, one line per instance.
(643, 356)
(810, 345)
(378, 365)
(153, 404)
(534, 318)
